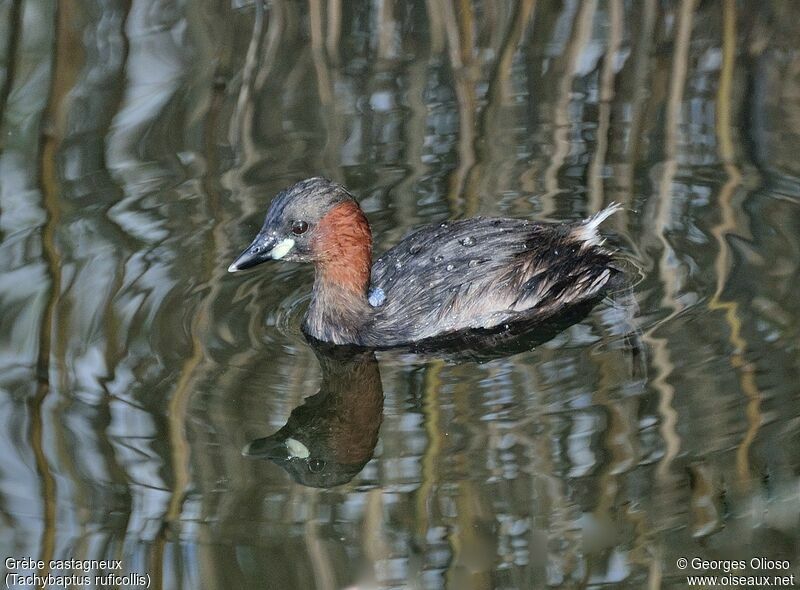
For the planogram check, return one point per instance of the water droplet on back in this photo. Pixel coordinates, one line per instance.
(376, 297)
(468, 241)
(415, 249)
(398, 265)
(450, 267)
(438, 258)
(474, 262)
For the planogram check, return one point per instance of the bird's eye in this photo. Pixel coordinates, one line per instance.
(316, 465)
(299, 227)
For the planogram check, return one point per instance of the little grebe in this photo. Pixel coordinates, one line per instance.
(478, 273)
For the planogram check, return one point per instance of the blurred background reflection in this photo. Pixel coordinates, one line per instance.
(140, 142)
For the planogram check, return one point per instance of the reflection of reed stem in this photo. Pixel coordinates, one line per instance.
(618, 439)
(720, 232)
(241, 132)
(655, 575)
(645, 551)
(705, 515)
(280, 23)
(259, 65)
(176, 413)
(436, 24)
(334, 29)
(640, 93)
(466, 543)
(178, 407)
(14, 20)
(619, 442)
(219, 238)
(666, 394)
(385, 28)
(490, 128)
(324, 576)
(459, 40)
(414, 142)
(373, 542)
(604, 108)
(661, 355)
(520, 21)
(466, 24)
(561, 523)
(52, 260)
(36, 403)
(469, 551)
(318, 52)
(581, 33)
(325, 90)
(430, 459)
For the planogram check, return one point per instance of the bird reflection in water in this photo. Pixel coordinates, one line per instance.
(329, 439)
(331, 436)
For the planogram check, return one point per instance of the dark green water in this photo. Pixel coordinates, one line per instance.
(141, 143)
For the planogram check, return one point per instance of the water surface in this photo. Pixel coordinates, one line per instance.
(141, 143)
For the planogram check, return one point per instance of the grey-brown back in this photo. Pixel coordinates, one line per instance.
(482, 273)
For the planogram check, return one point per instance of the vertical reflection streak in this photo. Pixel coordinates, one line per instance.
(414, 129)
(200, 330)
(661, 353)
(645, 551)
(498, 93)
(179, 402)
(618, 442)
(14, 19)
(318, 53)
(51, 256)
(374, 542)
(324, 577)
(655, 574)
(241, 130)
(325, 90)
(543, 454)
(459, 41)
(334, 32)
(385, 22)
(604, 108)
(430, 458)
(256, 72)
(641, 71)
(727, 225)
(477, 552)
(436, 24)
(669, 416)
(209, 566)
(65, 75)
(705, 517)
(469, 549)
(581, 32)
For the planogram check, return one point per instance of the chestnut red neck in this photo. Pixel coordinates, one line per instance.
(343, 249)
